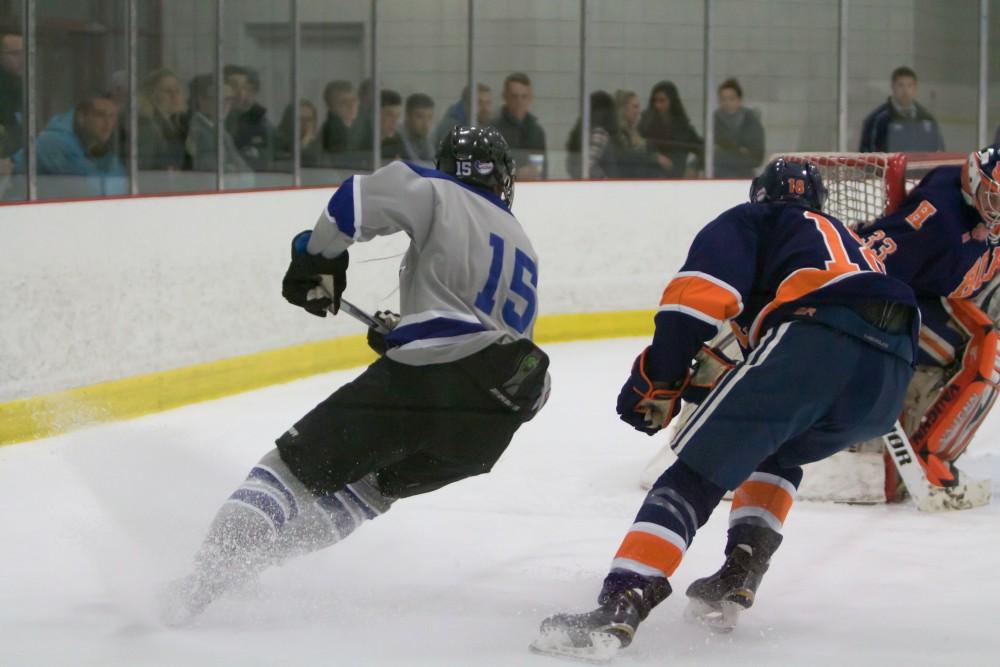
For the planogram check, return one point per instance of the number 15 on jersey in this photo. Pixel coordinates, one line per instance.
(523, 283)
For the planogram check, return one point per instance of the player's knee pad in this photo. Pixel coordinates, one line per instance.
(289, 519)
(948, 425)
(271, 493)
(356, 503)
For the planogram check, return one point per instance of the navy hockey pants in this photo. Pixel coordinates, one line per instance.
(806, 392)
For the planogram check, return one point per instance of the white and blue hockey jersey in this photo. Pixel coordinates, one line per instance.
(470, 275)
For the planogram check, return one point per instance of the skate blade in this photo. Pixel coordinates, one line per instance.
(718, 617)
(558, 643)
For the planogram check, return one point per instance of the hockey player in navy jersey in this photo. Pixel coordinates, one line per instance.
(458, 377)
(944, 241)
(831, 343)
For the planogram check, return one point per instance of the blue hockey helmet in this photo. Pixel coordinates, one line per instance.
(981, 187)
(785, 180)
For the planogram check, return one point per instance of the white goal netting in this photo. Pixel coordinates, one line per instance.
(860, 186)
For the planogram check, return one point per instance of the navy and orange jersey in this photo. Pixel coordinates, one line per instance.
(758, 264)
(935, 242)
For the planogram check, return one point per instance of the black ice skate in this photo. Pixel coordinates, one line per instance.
(598, 635)
(718, 600)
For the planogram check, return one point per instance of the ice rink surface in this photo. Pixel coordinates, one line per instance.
(94, 522)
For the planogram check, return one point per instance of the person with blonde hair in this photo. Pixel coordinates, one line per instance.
(163, 126)
(631, 155)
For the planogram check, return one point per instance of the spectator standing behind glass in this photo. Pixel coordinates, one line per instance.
(11, 87)
(247, 122)
(739, 135)
(312, 154)
(520, 128)
(901, 124)
(458, 113)
(201, 132)
(666, 128)
(79, 143)
(162, 122)
(416, 131)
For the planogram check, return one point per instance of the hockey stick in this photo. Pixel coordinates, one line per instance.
(360, 315)
(926, 496)
(326, 284)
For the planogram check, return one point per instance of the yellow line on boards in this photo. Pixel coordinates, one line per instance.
(42, 416)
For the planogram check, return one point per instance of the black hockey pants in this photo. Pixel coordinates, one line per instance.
(417, 428)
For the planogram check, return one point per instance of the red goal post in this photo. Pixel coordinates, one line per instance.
(864, 186)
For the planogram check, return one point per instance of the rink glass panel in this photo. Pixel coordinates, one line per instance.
(993, 81)
(257, 35)
(541, 39)
(938, 40)
(336, 38)
(784, 54)
(80, 50)
(633, 45)
(178, 36)
(13, 130)
(423, 48)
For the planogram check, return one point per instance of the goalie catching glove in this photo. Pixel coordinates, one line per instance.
(648, 405)
(302, 285)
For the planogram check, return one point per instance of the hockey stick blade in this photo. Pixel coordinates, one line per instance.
(926, 496)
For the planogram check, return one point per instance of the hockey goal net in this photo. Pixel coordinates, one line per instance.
(862, 187)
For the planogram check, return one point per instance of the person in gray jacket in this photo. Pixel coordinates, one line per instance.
(739, 135)
(458, 374)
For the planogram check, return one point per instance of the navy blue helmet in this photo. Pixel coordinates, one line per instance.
(478, 156)
(784, 180)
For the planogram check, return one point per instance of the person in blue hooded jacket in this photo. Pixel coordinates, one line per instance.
(79, 143)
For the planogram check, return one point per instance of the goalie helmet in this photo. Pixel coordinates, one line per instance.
(981, 187)
(785, 180)
(478, 156)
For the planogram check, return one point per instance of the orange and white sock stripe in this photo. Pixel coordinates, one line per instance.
(650, 549)
(762, 498)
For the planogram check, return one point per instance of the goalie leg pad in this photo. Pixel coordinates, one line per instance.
(948, 425)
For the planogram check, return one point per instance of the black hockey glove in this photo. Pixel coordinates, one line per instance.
(376, 337)
(303, 282)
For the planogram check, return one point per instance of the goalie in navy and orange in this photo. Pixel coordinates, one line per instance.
(944, 241)
(830, 343)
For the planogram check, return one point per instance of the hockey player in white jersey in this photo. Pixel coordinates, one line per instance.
(458, 377)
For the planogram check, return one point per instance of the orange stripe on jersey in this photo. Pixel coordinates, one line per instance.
(771, 497)
(651, 550)
(793, 288)
(701, 294)
(806, 280)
